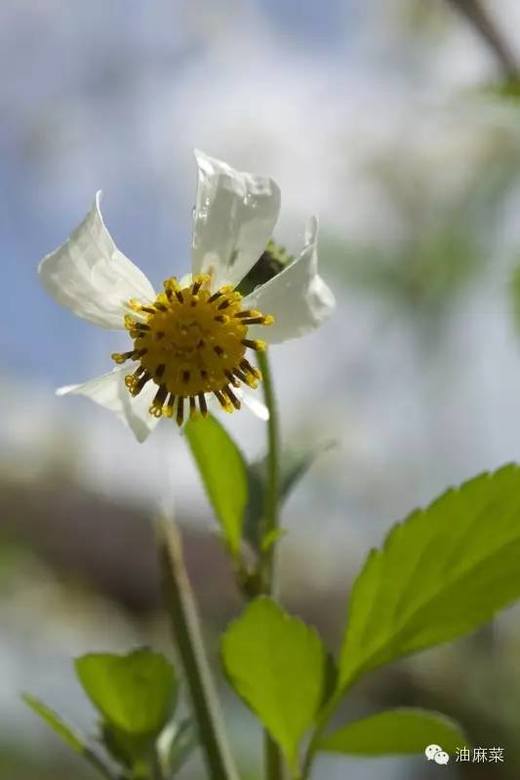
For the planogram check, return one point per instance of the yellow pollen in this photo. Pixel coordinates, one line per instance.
(191, 343)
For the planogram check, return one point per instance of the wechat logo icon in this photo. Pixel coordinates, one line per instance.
(437, 754)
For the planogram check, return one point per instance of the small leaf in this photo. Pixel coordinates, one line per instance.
(441, 573)
(294, 466)
(52, 719)
(130, 750)
(277, 665)
(224, 474)
(135, 693)
(272, 537)
(181, 740)
(394, 732)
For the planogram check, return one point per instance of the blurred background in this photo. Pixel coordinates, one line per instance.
(398, 123)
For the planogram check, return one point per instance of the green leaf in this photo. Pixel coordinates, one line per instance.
(52, 719)
(441, 573)
(224, 474)
(294, 465)
(393, 732)
(135, 693)
(277, 665)
(181, 740)
(68, 735)
(129, 750)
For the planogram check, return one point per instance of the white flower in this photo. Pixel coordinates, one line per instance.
(190, 340)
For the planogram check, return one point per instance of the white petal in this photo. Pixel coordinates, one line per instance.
(233, 220)
(91, 276)
(252, 401)
(298, 298)
(109, 391)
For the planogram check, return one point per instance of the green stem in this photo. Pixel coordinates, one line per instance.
(186, 629)
(321, 725)
(272, 755)
(272, 494)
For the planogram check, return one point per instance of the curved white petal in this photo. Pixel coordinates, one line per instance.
(90, 276)
(298, 298)
(234, 217)
(109, 391)
(252, 401)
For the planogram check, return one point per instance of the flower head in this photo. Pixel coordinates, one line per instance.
(189, 342)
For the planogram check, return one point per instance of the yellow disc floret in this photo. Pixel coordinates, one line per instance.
(191, 342)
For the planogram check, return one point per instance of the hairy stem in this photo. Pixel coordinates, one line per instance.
(186, 629)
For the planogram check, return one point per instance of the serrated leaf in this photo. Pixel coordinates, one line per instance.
(52, 719)
(224, 474)
(441, 573)
(394, 732)
(277, 665)
(135, 693)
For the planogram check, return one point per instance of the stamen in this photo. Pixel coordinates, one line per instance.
(247, 313)
(171, 287)
(256, 344)
(139, 384)
(180, 410)
(246, 365)
(232, 397)
(232, 379)
(203, 405)
(168, 409)
(223, 400)
(156, 409)
(243, 378)
(268, 320)
(131, 379)
(122, 357)
(191, 342)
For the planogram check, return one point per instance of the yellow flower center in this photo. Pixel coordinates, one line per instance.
(191, 342)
